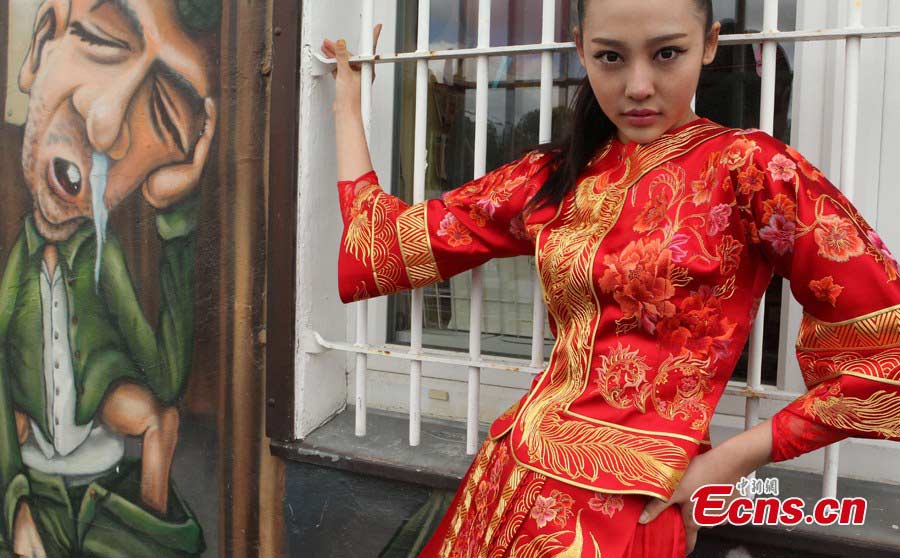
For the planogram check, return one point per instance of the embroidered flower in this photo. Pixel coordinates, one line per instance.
(805, 166)
(455, 232)
(481, 211)
(882, 254)
(738, 153)
(639, 276)
(779, 205)
(654, 211)
(837, 238)
(678, 247)
(544, 510)
(751, 179)
(779, 233)
(607, 504)
(753, 231)
(700, 326)
(782, 168)
(702, 192)
(825, 289)
(718, 219)
(729, 253)
(688, 384)
(702, 187)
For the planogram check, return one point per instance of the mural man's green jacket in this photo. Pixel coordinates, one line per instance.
(110, 337)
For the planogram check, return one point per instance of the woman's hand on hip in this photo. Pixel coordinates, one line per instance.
(726, 463)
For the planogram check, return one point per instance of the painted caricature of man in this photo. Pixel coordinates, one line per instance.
(120, 99)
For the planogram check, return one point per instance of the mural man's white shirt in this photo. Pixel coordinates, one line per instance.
(72, 450)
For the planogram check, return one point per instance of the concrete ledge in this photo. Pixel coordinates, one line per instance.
(440, 462)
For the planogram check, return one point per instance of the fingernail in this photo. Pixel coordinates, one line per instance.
(644, 517)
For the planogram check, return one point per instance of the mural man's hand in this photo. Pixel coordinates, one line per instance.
(26, 540)
(347, 76)
(168, 185)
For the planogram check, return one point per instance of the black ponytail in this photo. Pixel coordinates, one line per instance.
(589, 129)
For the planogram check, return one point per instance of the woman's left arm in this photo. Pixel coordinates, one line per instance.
(848, 346)
(725, 463)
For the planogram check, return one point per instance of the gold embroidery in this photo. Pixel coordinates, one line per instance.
(622, 378)
(415, 246)
(875, 330)
(539, 547)
(575, 549)
(531, 490)
(386, 265)
(579, 451)
(878, 413)
(359, 233)
(880, 366)
(512, 484)
(462, 508)
(692, 384)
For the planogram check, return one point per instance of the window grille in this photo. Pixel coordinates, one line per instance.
(752, 390)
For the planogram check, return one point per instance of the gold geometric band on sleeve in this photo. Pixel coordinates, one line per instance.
(415, 246)
(879, 329)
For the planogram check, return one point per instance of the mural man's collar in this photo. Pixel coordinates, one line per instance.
(69, 247)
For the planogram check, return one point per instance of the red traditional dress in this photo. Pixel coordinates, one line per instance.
(652, 269)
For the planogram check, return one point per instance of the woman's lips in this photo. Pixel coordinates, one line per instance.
(65, 177)
(642, 117)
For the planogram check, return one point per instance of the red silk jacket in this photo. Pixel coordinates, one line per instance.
(652, 270)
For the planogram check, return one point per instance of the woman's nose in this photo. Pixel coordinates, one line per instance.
(640, 84)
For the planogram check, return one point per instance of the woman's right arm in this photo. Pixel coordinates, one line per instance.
(388, 245)
(352, 151)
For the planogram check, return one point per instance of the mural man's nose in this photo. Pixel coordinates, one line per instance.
(107, 112)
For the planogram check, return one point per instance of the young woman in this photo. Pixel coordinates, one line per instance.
(655, 233)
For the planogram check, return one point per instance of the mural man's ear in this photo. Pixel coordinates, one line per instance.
(45, 29)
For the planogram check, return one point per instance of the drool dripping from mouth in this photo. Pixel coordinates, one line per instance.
(99, 171)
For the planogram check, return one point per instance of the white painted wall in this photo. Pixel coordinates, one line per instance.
(322, 378)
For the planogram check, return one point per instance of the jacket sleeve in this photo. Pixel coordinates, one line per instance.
(389, 246)
(164, 354)
(846, 280)
(14, 485)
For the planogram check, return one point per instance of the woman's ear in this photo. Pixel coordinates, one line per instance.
(45, 24)
(712, 43)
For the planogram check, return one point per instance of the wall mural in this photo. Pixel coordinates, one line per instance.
(115, 99)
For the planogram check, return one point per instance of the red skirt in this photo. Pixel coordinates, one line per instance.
(504, 510)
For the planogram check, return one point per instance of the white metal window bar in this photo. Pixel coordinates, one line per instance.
(752, 390)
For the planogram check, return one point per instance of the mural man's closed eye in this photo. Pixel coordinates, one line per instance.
(121, 99)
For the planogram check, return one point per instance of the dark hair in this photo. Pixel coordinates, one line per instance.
(588, 130)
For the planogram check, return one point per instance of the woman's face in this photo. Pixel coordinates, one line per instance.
(643, 61)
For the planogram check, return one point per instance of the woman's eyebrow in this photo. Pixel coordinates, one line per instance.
(653, 41)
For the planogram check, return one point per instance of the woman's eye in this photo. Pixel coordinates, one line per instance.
(608, 57)
(669, 53)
